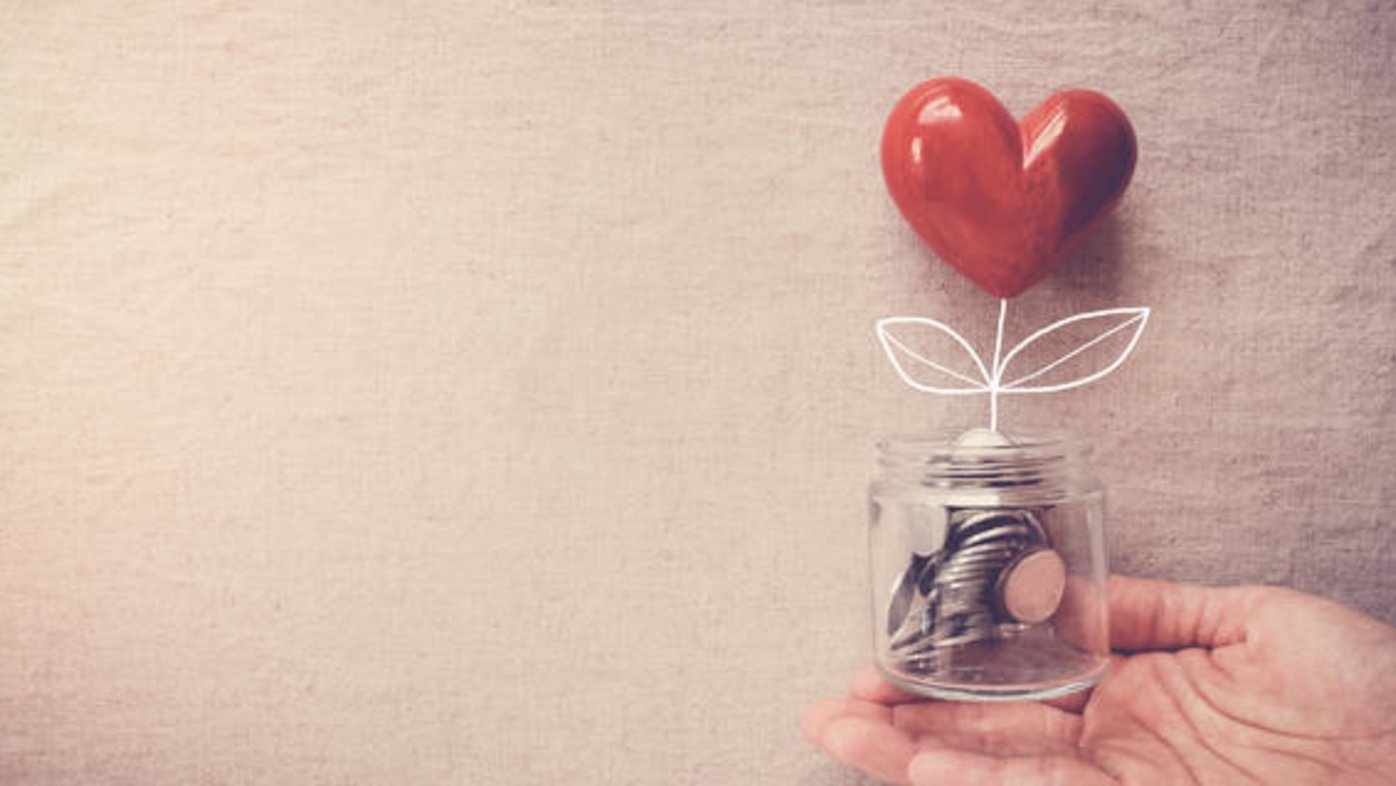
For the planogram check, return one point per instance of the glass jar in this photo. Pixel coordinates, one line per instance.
(988, 566)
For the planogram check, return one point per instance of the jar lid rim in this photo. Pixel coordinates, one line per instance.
(950, 447)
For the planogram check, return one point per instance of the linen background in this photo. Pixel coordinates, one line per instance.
(431, 392)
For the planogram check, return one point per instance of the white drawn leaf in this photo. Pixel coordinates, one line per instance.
(1126, 323)
(902, 336)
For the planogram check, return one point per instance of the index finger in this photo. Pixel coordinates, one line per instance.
(1146, 614)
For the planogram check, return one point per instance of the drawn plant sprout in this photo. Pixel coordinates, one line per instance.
(1066, 354)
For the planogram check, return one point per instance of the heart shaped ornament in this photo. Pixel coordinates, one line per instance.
(1004, 202)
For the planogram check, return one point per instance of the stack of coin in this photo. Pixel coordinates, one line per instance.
(951, 597)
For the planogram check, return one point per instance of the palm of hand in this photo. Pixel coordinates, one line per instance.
(1226, 686)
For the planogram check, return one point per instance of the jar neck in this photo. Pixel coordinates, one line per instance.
(1028, 460)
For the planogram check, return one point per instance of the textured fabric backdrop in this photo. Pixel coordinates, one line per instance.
(431, 392)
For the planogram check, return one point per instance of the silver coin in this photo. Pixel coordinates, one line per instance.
(904, 592)
(983, 552)
(1016, 531)
(977, 567)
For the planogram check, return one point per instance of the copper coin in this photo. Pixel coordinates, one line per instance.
(1031, 588)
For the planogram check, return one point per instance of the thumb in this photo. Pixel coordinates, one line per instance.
(940, 767)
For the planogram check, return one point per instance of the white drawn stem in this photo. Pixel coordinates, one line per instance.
(998, 369)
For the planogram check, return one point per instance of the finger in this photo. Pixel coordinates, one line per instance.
(1146, 614)
(872, 746)
(940, 767)
(1025, 721)
(868, 684)
(994, 744)
(1072, 702)
(1081, 617)
(819, 715)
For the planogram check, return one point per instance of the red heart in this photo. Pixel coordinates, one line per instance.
(1004, 202)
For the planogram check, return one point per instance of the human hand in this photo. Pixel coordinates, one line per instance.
(1207, 686)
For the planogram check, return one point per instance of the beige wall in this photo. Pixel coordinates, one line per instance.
(442, 392)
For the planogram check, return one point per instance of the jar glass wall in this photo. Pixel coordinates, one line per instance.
(988, 566)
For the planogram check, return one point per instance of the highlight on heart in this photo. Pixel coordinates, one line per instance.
(1003, 202)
